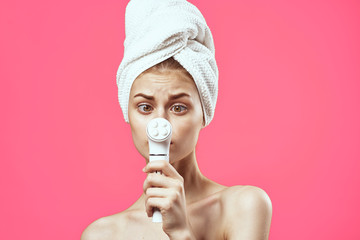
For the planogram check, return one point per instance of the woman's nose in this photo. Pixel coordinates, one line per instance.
(162, 113)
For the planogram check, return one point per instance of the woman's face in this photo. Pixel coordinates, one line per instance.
(173, 96)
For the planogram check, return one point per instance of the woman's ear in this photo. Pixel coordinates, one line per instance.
(203, 123)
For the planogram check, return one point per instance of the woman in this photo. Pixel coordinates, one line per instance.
(182, 88)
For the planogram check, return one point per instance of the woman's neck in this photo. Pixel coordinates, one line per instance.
(195, 183)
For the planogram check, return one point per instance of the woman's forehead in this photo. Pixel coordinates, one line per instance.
(174, 81)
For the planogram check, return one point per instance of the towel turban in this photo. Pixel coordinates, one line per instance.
(156, 30)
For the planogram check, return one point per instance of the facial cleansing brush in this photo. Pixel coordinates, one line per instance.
(159, 132)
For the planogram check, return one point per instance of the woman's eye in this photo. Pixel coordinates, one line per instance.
(178, 108)
(145, 108)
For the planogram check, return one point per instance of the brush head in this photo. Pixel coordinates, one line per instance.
(159, 130)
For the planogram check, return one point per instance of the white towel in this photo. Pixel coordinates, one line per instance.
(156, 30)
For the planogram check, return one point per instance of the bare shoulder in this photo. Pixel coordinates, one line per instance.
(246, 198)
(248, 211)
(105, 228)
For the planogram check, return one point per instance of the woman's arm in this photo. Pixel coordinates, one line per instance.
(248, 213)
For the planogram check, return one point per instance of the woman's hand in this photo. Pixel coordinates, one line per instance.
(166, 192)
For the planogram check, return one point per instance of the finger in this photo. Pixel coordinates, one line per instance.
(154, 180)
(165, 167)
(163, 204)
(161, 193)
(158, 193)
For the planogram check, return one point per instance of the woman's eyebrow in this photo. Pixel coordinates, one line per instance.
(144, 96)
(179, 95)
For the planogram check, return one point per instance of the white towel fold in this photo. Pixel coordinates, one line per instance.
(156, 30)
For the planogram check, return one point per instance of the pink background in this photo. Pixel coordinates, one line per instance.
(287, 117)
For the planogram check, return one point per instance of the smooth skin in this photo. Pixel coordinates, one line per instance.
(192, 206)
